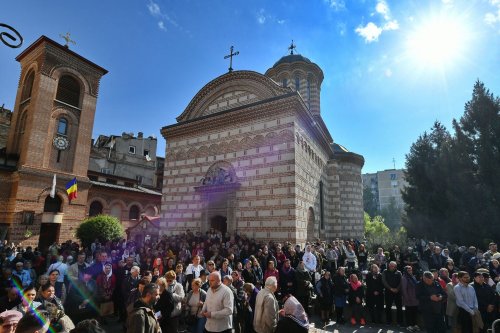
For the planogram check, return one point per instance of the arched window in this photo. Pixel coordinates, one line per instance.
(52, 205)
(62, 126)
(285, 83)
(133, 213)
(28, 86)
(22, 123)
(68, 91)
(297, 83)
(95, 208)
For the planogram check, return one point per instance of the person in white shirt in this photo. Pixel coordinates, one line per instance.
(309, 259)
(466, 301)
(193, 271)
(218, 306)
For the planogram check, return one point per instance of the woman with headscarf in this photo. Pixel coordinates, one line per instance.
(293, 318)
(355, 297)
(410, 301)
(303, 285)
(106, 283)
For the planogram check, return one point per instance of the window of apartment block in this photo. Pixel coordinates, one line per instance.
(131, 150)
(146, 152)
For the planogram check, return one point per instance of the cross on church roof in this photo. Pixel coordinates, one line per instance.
(292, 47)
(230, 56)
(68, 39)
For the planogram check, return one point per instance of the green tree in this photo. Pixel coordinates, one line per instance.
(425, 195)
(370, 201)
(392, 215)
(453, 190)
(102, 227)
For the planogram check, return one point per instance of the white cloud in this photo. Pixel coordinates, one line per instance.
(280, 21)
(391, 25)
(261, 17)
(493, 18)
(388, 72)
(154, 9)
(383, 9)
(370, 32)
(342, 29)
(336, 5)
(447, 2)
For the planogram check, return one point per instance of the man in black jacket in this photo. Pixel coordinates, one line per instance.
(391, 278)
(431, 298)
(485, 299)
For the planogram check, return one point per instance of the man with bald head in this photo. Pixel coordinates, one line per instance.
(218, 306)
(391, 278)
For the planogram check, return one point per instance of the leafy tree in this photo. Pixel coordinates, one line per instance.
(453, 190)
(379, 235)
(102, 227)
(369, 201)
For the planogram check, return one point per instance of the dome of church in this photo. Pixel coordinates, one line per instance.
(300, 74)
(288, 59)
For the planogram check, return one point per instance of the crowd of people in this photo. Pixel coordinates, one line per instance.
(225, 283)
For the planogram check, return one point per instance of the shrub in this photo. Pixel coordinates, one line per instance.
(102, 227)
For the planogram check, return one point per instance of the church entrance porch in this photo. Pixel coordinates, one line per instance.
(218, 194)
(219, 223)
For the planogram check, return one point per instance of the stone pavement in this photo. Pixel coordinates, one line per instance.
(348, 328)
(113, 326)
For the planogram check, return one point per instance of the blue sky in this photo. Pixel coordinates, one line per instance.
(391, 67)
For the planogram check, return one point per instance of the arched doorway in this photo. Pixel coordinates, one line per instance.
(49, 232)
(219, 223)
(310, 224)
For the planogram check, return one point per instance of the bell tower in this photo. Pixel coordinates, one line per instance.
(50, 134)
(54, 109)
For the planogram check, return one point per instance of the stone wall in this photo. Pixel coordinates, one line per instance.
(262, 153)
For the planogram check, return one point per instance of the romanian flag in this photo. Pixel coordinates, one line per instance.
(71, 188)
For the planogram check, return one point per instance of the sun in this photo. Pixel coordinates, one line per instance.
(438, 41)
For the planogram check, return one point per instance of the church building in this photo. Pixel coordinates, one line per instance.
(251, 154)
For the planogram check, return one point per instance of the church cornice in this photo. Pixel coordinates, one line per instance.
(262, 86)
(230, 116)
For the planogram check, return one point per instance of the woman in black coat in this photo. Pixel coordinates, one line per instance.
(375, 294)
(324, 288)
(340, 291)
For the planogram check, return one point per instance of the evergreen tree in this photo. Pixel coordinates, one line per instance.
(425, 196)
(370, 202)
(453, 190)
